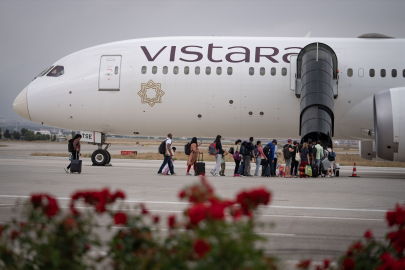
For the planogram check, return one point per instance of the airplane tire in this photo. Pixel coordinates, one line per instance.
(109, 157)
(100, 157)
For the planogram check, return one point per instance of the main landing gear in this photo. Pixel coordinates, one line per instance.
(101, 157)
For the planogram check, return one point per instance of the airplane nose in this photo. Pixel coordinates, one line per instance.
(20, 104)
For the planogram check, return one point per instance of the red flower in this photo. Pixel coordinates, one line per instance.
(368, 234)
(14, 234)
(156, 219)
(197, 213)
(171, 221)
(86, 246)
(99, 199)
(348, 264)
(398, 240)
(50, 209)
(391, 263)
(22, 224)
(120, 218)
(198, 193)
(353, 248)
(70, 223)
(397, 216)
(144, 210)
(201, 248)
(250, 200)
(326, 263)
(304, 264)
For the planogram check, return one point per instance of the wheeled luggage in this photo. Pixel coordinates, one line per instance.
(200, 170)
(326, 164)
(76, 166)
(315, 171)
(268, 170)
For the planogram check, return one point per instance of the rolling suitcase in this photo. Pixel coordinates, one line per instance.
(76, 165)
(200, 170)
(315, 172)
(326, 164)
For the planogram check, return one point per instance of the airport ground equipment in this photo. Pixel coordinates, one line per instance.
(317, 86)
(100, 157)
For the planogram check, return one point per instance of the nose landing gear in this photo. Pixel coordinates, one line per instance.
(101, 157)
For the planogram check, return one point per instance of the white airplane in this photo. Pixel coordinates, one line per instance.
(319, 88)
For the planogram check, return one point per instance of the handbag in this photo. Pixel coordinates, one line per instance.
(308, 170)
(297, 156)
(236, 155)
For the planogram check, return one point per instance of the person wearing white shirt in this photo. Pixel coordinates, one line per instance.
(168, 155)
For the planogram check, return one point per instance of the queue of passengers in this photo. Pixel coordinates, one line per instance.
(296, 156)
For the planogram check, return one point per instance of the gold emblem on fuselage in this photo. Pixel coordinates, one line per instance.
(144, 93)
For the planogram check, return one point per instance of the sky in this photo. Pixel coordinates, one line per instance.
(35, 34)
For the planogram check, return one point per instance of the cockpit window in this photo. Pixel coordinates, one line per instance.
(44, 72)
(56, 71)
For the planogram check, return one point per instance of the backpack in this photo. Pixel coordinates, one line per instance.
(231, 151)
(256, 152)
(266, 150)
(331, 156)
(187, 149)
(286, 152)
(243, 149)
(70, 145)
(162, 147)
(212, 149)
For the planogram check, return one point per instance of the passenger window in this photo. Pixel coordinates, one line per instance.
(403, 73)
(273, 71)
(165, 69)
(251, 71)
(283, 71)
(349, 72)
(56, 71)
(154, 69)
(372, 72)
(394, 73)
(262, 71)
(186, 70)
(229, 71)
(176, 70)
(116, 71)
(197, 70)
(143, 70)
(383, 73)
(219, 70)
(208, 70)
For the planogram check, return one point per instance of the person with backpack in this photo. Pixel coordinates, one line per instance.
(218, 155)
(192, 158)
(304, 154)
(166, 168)
(247, 150)
(268, 152)
(275, 159)
(166, 150)
(331, 156)
(236, 157)
(74, 147)
(287, 151)
(259, 156)
(294, 162)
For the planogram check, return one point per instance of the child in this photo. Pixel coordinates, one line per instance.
(222, 172)
(166, 168)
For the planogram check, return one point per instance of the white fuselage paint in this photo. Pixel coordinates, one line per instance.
(186, 96)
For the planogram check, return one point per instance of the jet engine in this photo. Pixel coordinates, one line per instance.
(389, 124)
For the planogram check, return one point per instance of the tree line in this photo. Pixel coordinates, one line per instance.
(26, 135)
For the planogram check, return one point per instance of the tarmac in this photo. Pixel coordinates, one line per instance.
(313, 218)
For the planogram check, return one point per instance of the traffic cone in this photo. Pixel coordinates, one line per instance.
(354, 173)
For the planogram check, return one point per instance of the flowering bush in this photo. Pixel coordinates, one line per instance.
(369, 253)
(212, 234)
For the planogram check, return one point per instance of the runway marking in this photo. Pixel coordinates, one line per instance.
(130, 200)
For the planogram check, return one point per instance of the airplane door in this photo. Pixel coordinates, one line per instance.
(293, 70)
(110, 70)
